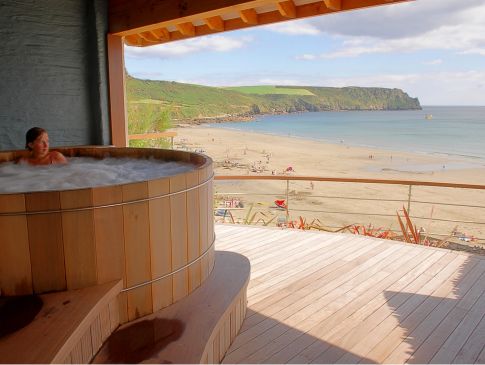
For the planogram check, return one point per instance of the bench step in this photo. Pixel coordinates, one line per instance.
(198, 328)
(69, 327)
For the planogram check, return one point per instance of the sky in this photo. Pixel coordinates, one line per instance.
(431, 49)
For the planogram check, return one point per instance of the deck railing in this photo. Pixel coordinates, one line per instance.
(452, 210)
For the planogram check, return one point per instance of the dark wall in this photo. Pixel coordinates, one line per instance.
(53, 71)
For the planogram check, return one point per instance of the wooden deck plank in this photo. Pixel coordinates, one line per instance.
(272, 274)
(346, 316)
(313, 288)
(373, 310)
(321, 297)
(404, 350)
(330, 262)
(435, 340)
(445, 292)
(361, 330)
(300, 265)
(373, 247)
(465, 328)
(470, 351)
(362, 346)
(301, 322)
(310, 304)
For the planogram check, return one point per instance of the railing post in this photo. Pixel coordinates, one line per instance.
(409, 199)
(287, 201)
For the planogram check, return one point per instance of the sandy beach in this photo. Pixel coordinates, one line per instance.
(247, 153)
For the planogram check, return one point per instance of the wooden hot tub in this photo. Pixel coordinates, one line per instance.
(157, 235)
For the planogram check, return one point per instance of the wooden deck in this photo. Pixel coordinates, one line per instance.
(336, 298)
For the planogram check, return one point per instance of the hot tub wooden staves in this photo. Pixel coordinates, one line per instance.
(155, 235)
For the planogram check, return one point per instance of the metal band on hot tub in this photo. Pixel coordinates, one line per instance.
(175, 271)
(110, 205)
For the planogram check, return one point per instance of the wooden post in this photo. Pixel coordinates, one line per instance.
(287, 201)
(409, 199)
(117, 99)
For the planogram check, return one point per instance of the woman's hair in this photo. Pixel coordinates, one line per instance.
(32, 135)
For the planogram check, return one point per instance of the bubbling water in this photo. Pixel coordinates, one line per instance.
(84, 172)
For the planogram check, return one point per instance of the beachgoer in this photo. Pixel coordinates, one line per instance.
(37, 142)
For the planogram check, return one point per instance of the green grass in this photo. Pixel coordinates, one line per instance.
(270, 90)
(184, 102)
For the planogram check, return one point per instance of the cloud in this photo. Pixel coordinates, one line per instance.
(451, 25)
(294, 28)
(465, 38)
(433, 62)
(307, 57)
(479, 51)
(402, 20)
(216, 43)
(432, 88)
(278, 81)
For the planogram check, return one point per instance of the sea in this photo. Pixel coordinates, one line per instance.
(452, 131)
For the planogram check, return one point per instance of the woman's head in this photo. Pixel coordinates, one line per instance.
(37, 141)
(31, 135)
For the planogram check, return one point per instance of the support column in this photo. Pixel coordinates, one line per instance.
(117, 98)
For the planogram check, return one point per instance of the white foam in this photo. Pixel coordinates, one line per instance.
(83, 172)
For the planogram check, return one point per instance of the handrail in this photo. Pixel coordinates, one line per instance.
(409, 183)
(350, 180)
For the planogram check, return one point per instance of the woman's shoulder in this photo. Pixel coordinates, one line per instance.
(57, 157)
(23, 160)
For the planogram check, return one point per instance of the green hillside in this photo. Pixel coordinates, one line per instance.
(267, 89)
(186, 102)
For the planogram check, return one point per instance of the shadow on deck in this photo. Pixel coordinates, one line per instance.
(332, 298)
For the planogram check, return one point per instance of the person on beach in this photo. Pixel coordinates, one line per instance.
(37, 142)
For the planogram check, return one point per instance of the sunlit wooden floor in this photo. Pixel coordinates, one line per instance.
(333, 298)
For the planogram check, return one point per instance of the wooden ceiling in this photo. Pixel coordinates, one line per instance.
(149, 22)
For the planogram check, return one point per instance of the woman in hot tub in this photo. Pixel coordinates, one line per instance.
(37, 142)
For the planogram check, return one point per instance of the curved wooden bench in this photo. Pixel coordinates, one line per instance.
(198, 328)
(69, 328)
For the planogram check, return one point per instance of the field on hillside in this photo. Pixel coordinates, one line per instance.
(270, 90)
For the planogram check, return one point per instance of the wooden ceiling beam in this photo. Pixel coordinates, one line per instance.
(249, 16)
(135, 16)
(187, 29)
(134, 40)
(162, 34)
(215, 23)
(155, 34)
(287, 9)
(335, 5)
(149, 37)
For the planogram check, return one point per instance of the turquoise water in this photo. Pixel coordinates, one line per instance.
(454, 131)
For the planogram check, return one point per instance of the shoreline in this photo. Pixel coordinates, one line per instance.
(466, 161)
(475, 158)
(184, 123)
(346, 159)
